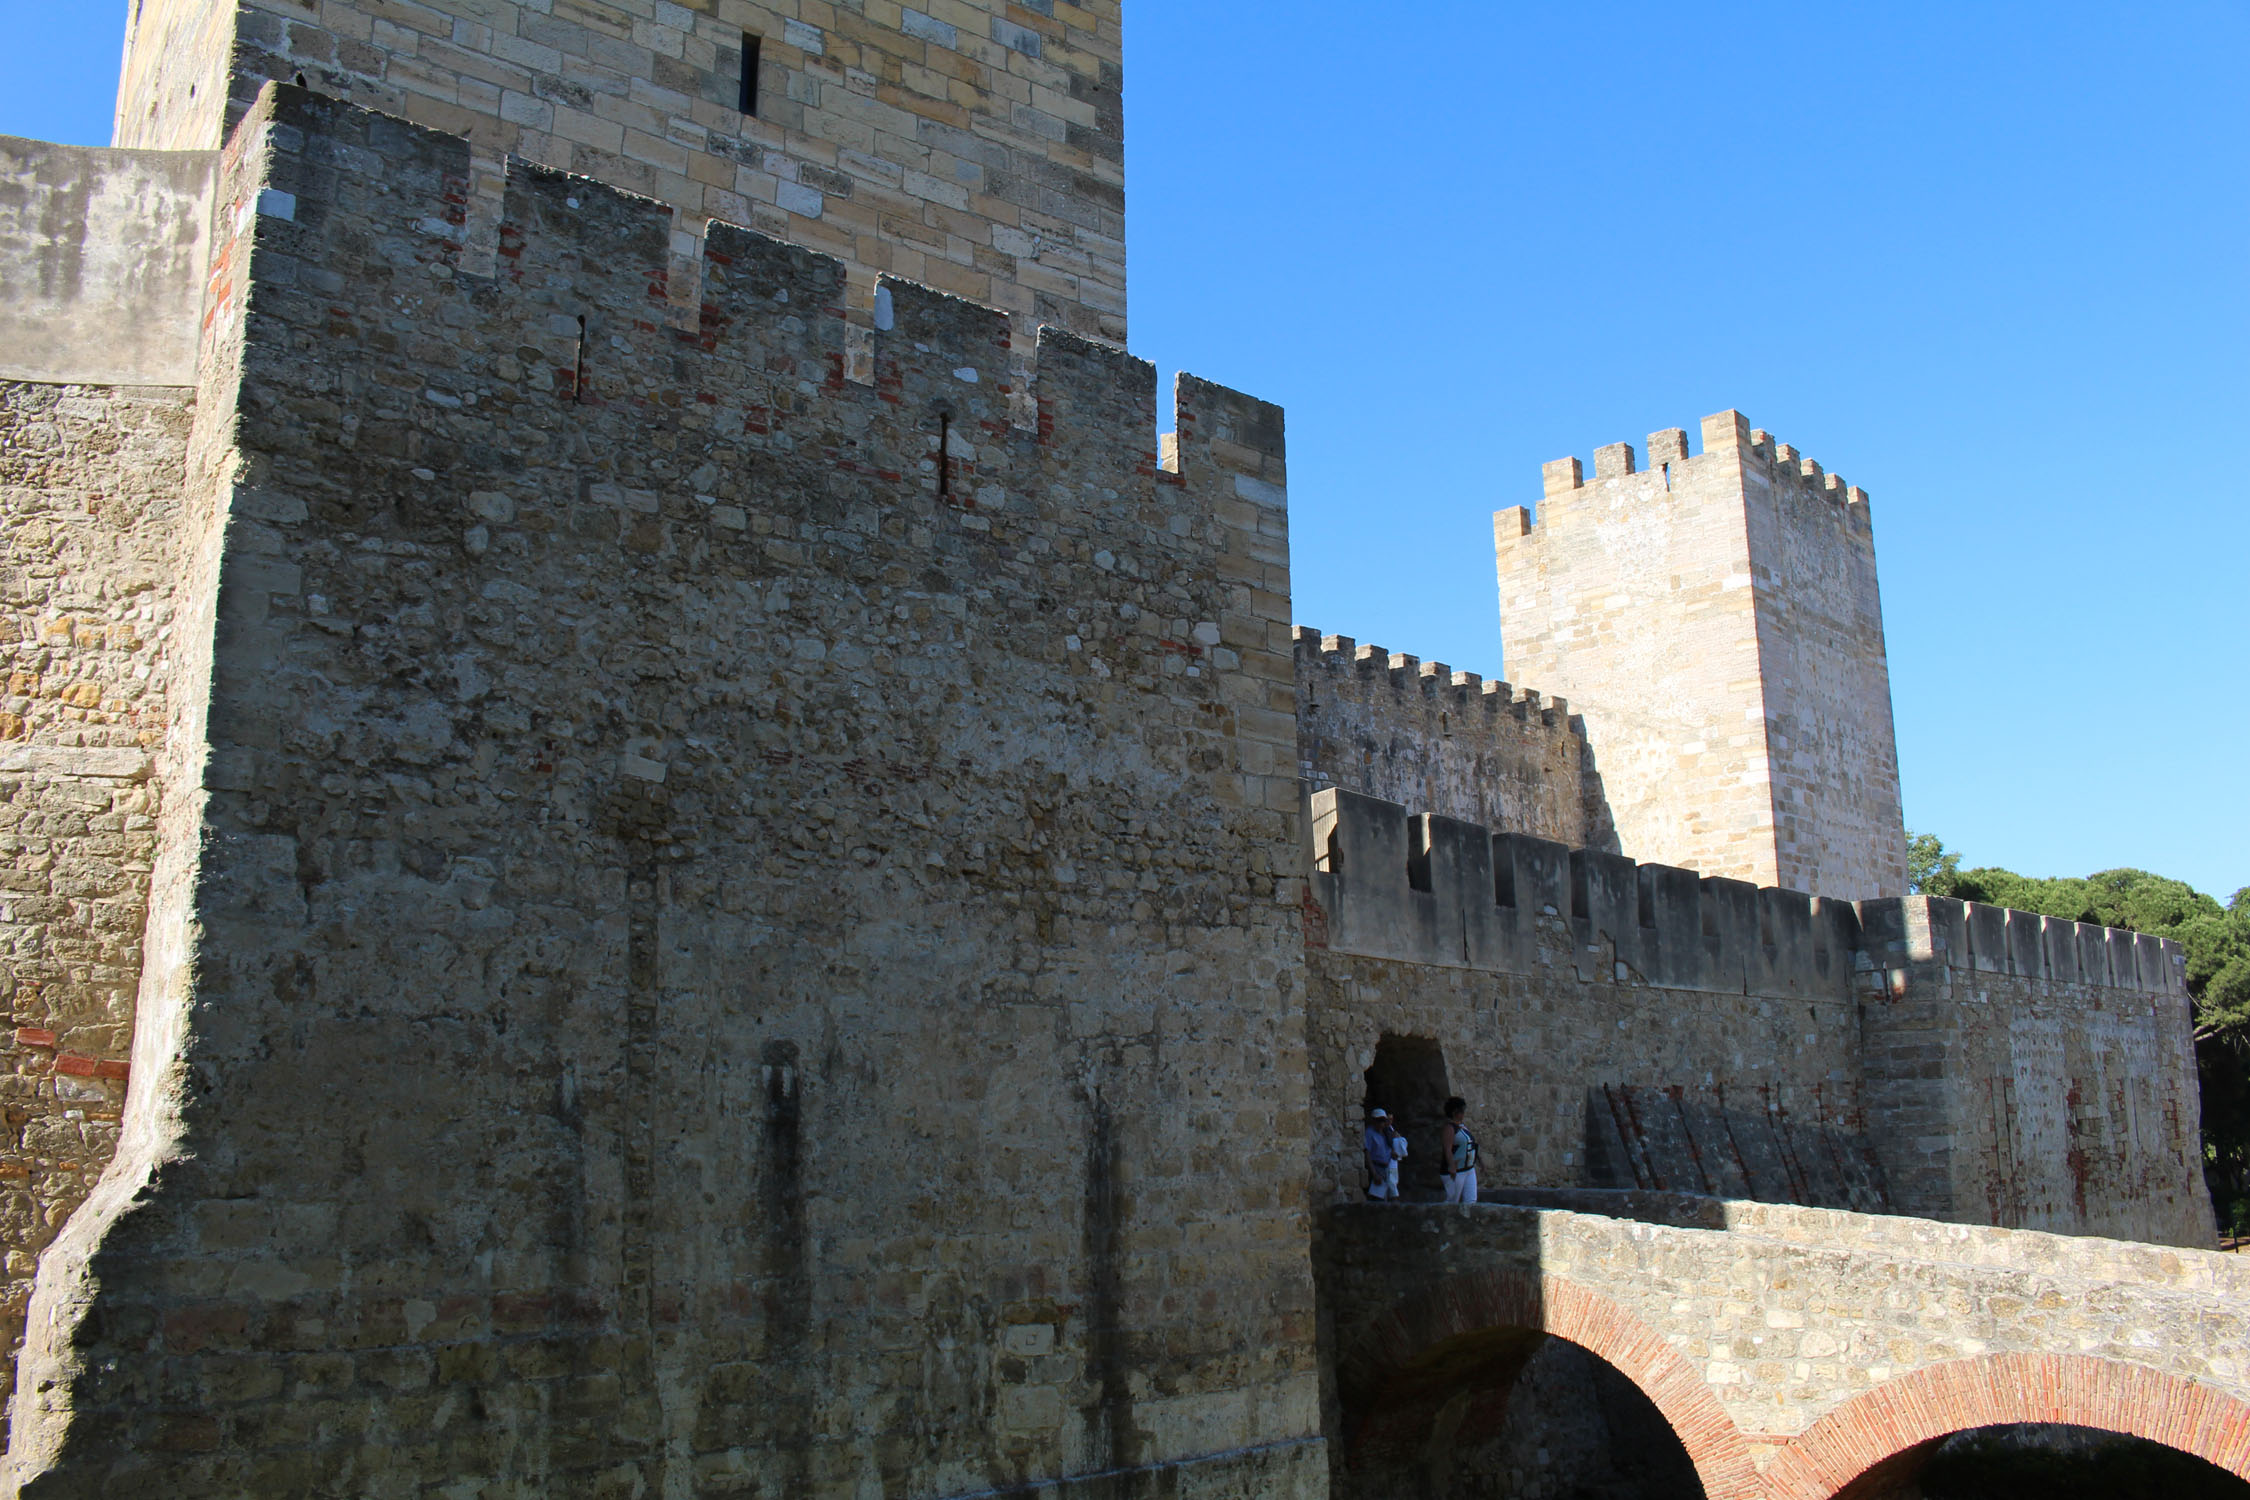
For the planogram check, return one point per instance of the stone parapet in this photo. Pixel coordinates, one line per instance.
(102, 255)
(1390, 725)
(1437, 890)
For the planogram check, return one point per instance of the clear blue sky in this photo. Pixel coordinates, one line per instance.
(1987, 261)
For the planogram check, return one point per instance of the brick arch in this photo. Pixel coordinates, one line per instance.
(1868, 1432)
(1479, 1302)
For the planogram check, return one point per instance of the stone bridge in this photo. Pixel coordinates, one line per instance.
(1798, 1354)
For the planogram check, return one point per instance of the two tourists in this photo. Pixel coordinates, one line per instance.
(1384, 1146)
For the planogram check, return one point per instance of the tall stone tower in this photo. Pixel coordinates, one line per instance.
(976, 146)
(1715, 617)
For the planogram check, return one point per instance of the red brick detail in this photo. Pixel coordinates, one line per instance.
(1840, 1455)
(76, 1066)
(1315, 919)
(1494, 1300)
(112, 1069)
(34, 1036)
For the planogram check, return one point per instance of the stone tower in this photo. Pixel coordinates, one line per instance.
(977, 146)
(1715, 618)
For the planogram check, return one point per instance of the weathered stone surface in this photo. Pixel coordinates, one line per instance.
(90, 480)
(1716, 620)
(101, 263)
(977, 147)
(1447, 743)
(1792, 1349)
(781, 870)
(1962, 1062)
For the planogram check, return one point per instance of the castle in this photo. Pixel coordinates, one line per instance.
(655, 851)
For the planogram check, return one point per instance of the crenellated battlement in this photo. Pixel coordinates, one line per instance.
(1731, 449)
(771, 337)
(1388, 724)
(1435, 890)
(1342, 659)
(1714, 616)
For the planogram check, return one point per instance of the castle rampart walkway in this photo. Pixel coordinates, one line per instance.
(1798, 1353)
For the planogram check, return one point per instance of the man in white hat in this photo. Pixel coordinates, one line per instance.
(1384, 1146)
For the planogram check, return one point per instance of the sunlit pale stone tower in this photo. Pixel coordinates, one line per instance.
(1715, 617)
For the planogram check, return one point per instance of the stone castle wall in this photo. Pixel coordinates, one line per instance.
(836, 1024)
(1715, 620)
(1393, 726)
(976, 146)
(90, 480)
(1833, 752)
(1998, 1067)
(2031, 1080)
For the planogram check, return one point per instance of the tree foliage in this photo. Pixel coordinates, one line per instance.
(2215, 940)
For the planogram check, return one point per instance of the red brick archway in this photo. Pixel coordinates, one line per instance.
(1831, 1458)
(1484, 1301)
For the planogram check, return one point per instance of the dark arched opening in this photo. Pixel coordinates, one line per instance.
(1513, 1414)
(1408, 1079)
(2044, 1461)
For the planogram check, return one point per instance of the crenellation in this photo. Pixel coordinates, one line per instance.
(1561, 476)
(1381, 721)
(1773, 940)
(1717, 623)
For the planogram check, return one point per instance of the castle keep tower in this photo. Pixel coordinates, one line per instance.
(976, 146)
(1716, 620)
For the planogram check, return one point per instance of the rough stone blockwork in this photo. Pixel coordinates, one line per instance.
(2033, 1072)
(1716, 619)
(2004, 1067)
(89, 487)
(717, 930)
(1791, 1349)
(1390, 725)
(977, 146)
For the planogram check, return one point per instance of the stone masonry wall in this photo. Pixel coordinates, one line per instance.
(2000, 1067)
(739, 933)
(1714, 618)
(1419, 733)
(2026, 1083)
(1795, 1332)
(89, 486)
(1524, 1050)
(976, 146)
(1839, 825)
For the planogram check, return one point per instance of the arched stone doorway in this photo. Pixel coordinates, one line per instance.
(1455, 1395)
(1884, 1444)
(1408, 1078)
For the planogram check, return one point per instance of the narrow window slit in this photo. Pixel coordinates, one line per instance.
(578, 370)
(749, 99)
(944, 455)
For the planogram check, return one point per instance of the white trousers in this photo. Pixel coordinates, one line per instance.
(1461, 1187)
